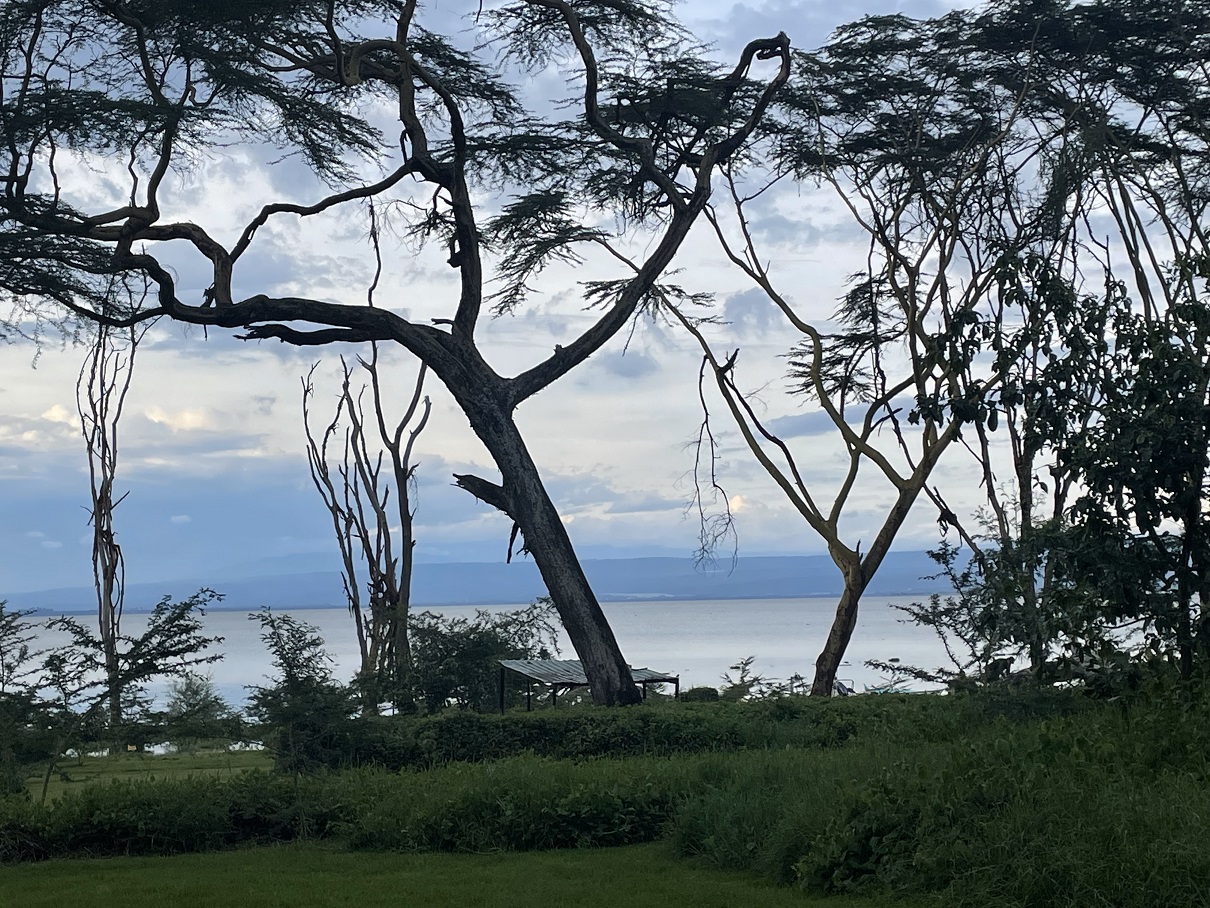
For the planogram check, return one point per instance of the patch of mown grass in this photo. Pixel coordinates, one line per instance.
(74, 774)
(289, 876)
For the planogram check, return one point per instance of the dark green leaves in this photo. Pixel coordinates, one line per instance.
(533, 231)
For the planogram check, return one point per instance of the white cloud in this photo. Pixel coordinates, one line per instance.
(181, 420)
(60, 414)
(180, 518)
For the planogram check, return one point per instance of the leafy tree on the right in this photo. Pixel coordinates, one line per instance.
(1020, 178)
(1091, 548)
(1143, 467)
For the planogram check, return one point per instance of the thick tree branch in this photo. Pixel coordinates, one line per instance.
(309, 338)
(488, 492)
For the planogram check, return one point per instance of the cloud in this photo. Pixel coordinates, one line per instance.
(180, 519)
(751, 312)
(180, 421)
(799, 425)
(779, 229)
(643, 504)
(59, 413)
(630, 364)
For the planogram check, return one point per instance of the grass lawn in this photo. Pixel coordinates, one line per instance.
(304, 875)
(73, 773)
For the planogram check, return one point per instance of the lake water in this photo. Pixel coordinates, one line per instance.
(697, 640)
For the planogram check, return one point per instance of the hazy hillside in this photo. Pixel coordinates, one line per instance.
(773, 577)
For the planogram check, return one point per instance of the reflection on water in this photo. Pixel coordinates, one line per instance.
(698, 640)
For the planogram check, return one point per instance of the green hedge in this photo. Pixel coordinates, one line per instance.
(661, 729)
(520, 804)
(169, 816)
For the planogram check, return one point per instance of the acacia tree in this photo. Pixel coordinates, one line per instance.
(73, 685)
(1137, 108)
(930, 158)
(1094, 506)
(358, 499)
(158, 83)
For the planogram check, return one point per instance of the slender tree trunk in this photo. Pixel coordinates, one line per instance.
(858, 571)
(828, 664)
(403, 696)
(523, 497)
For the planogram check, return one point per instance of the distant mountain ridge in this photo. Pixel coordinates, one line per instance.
(481, 583)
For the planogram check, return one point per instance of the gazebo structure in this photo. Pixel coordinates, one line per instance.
(567, 674)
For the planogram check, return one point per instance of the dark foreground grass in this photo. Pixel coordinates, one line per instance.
(641, 875)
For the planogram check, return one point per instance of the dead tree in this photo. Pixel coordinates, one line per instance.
(376, 569)
(101, 390)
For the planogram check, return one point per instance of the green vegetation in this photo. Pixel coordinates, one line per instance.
(73, 775)
(1004, 796)
(657, 729)
(294, 875)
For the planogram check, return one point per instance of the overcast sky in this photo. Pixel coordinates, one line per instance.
(212, 443)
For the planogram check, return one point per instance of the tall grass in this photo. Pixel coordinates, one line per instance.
(1106, 807)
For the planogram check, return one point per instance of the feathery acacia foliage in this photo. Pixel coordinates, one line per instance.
(160, 85)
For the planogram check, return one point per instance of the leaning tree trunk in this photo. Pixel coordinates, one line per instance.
(856, 579)
(858, 571)
(523, 497)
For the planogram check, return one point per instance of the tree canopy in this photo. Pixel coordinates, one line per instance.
(392, 115)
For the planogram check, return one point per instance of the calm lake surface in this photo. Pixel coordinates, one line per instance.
(697, 640)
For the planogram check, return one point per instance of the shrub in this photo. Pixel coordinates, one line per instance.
(22, 833)
(522, 804)
(653, 729)
(1059, 812)
(171, 816)
(307, 716)
(757, 814)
